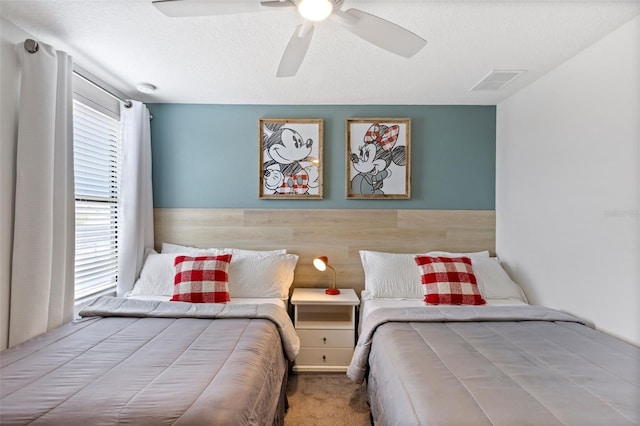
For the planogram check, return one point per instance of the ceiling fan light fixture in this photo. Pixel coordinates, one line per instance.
(315, 10)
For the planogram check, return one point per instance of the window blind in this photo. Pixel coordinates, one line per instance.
(96, 152)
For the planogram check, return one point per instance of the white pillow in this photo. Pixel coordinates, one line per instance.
(396, 275)
(178, 249)
(254, 252)
(391, 275)
(250, 275)
(157, 275)
(168, 248)
(494, 282)
(472, 255)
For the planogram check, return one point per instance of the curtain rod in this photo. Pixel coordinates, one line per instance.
(32, 46)
(127, 103)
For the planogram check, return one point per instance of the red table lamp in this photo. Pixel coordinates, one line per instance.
(321, 264)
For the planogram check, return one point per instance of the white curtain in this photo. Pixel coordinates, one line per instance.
(42, 280)
(136, 197)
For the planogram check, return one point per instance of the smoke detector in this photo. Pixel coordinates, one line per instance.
(146, 88)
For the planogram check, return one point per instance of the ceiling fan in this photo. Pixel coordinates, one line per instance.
(376, 30)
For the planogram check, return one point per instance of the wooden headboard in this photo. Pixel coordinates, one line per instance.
(336, 233)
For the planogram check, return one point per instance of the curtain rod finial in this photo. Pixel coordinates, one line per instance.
(31, 45)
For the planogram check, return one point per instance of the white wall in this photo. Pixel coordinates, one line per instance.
(9, 86)
(567, 185)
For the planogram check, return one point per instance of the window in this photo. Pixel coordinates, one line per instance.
(97, 188)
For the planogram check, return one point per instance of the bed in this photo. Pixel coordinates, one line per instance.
(146, 359)
(503, 362)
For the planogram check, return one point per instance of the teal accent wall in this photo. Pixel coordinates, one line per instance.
(206, 156)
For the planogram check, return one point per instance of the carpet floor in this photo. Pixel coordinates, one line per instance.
(326, 399)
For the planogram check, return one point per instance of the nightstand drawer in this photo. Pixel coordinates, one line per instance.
(326, 338)
(324, 356)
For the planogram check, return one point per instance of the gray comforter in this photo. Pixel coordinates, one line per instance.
(454, 365)
(152, 363)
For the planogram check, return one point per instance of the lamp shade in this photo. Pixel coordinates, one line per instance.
(320, 263)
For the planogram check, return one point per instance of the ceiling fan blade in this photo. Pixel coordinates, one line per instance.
(183, 8)
(277, 3)
(382, 33)
(295, 51)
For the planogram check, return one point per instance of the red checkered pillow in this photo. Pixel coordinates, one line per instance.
(449, 281)
(201, 279)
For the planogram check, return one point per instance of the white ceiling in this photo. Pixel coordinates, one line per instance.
(233, 59)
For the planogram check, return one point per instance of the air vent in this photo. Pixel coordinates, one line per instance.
(497, 79)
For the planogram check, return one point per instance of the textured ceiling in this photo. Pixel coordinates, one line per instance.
(233, 59)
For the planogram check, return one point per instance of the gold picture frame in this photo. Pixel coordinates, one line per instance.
(378, 158)
(290, 164)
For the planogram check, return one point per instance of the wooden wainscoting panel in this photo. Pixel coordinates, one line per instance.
(339, 234)
(320, 218)
(466, 219)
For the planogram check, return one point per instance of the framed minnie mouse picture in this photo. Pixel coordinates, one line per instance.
(378, 158)
(290, 158)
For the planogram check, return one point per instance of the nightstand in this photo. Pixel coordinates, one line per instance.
(326, 327)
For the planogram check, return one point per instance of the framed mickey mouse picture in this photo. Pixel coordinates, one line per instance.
(378, 158)
(290, 158)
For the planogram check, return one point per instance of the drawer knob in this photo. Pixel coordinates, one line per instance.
(324, 358)
(324, 340)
